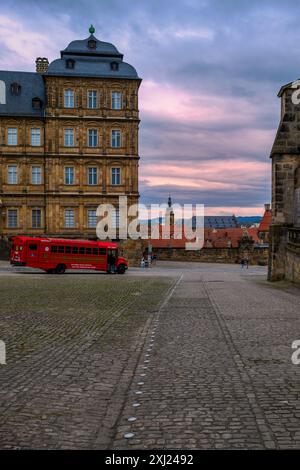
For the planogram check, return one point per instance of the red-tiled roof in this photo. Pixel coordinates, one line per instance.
(264, 226)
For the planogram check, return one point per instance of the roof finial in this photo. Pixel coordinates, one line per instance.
(169, 201)
(91, 29)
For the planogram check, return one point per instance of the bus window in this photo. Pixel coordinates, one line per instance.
(75, 250)
(68, 249)
(88, 251)
(53, 249)
(61, 249)
(95, 251)
(102, 251)
(32, 247)
(81, 250)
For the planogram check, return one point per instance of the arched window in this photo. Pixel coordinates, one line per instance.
(2, 92)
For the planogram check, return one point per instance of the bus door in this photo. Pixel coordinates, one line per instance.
(32, 251)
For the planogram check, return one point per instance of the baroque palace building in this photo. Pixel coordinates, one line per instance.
(68, 140)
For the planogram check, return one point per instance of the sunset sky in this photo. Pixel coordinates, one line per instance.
(211, 71)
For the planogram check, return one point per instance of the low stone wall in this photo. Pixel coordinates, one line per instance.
(213, 255)
(292, 272)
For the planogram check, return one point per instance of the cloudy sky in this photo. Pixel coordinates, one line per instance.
(211, 70)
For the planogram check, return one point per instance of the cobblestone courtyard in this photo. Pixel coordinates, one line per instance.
(177, 356)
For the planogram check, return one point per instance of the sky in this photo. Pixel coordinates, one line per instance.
(208, 102)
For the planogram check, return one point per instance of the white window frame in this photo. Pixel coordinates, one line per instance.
(92, 218)
(69, 218)
(69, 175)
(69, 98)
(116, 138)
(12, 176)
(35, 136)
(116, 100)
(116, 176)
(16, 218)
(36, 174)
(92, 175)
(35, 219)
(69, 137)
(93, 138)
(12, 136)
(92, 99)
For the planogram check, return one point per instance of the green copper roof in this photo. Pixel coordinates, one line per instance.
(92, 29)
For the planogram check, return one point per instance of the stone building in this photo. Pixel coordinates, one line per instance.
(285, 230)
(68, 140)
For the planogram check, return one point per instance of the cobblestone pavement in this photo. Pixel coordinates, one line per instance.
(216, 369)
(178, 356)
(72, 344)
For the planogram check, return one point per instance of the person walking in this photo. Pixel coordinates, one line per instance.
(242, 262)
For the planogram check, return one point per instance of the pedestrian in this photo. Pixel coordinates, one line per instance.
(111, 259)
(247, 262)
(242, 262)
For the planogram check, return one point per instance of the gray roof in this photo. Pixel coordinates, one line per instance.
(32, 86)
(91, 67)
(81, 47)
(95, 62)
(219, 221)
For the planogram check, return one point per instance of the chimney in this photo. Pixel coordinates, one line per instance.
(267, 207)
(42, 64)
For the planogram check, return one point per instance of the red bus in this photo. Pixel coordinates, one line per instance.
(55, 255)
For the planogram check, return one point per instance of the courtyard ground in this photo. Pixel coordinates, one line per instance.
(182, 355)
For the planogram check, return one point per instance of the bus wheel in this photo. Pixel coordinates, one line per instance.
(60, 269)
(121, 269)
(49, 271)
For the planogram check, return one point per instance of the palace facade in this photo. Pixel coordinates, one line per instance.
(68, 140)
(285, 229)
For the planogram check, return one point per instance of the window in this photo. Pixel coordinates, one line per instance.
(115, 139)
(61, 249)
(32, 247)
(115, 218)
(12, 174)
(69, 137)
(70, 63)
(69, 99)
(92, 176)
(115, 176)
(15, 88)
(88, 251)
(92, 218)
(36, 218)
(12, 136)
(95, 251)
(35, 137)
(102, 251)
(116, 100)
(92, 99)
(12, 218)
(92, 137)
(114, 66)
(81, 250)
(36, 175)
(69, 218)
(75, 250)
(69, 175)
(92, 44)
(68, 249)
(37, 103)
(53, 249)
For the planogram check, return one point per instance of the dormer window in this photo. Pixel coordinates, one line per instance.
(70, 63)
(92, 44)
(114, 66)
(36, 103)
(15, 88)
